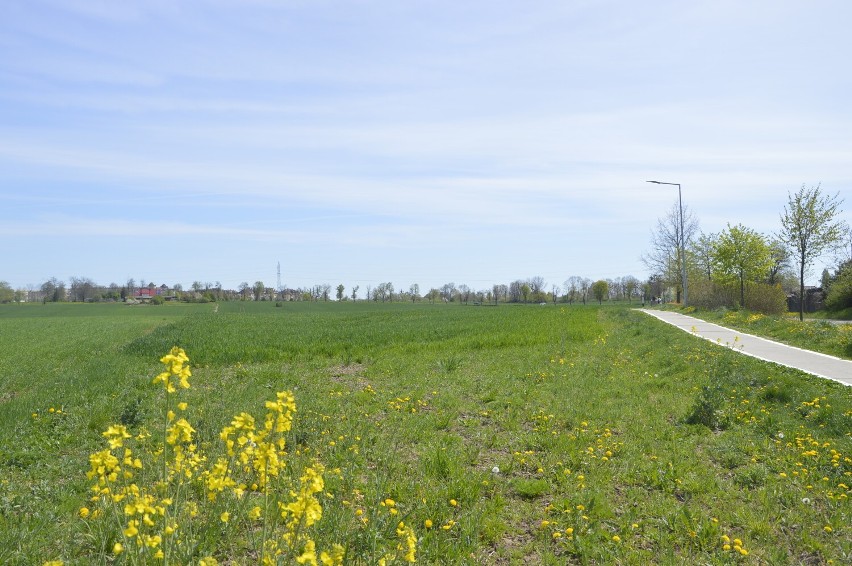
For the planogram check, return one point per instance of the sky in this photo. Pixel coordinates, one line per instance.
(422, 142)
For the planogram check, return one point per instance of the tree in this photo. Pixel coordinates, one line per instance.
(702, 251)
(500, 291)
(340, 289)
(741, 254)
(525, 291)
(355, 292)
(515, 291)
(53, 290)
(448, 291)
(840, 290)
(780, 261)
(585, 283)
(809, 227)
(82, 289)
(245, 289)
(631, 287)
(7, 294)
(665, 258)
(600, 290)
(572, 288)
(258, 290)
(414, 291)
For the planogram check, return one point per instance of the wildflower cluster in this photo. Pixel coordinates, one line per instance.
(170, 498)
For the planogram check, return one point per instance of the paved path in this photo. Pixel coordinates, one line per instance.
(821, 365)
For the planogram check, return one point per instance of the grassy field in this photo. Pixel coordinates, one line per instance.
(480, 435)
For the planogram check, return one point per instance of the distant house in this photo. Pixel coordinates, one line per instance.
(151, 291)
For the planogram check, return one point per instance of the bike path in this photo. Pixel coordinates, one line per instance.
(815, 363)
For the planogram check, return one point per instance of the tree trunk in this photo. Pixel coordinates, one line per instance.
(802, 289)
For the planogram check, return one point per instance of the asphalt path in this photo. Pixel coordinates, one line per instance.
(815, 363)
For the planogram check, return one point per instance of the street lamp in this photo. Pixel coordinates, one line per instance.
(682, 238)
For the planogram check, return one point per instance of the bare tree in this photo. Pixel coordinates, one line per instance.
(500, 291)
(355, 292)
(585, 284)
(464, 293)
(572, 288)
(667, 241)
(448, 291)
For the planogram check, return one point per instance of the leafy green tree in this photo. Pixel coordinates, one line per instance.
(840, 290)
(743, 255)
(600, 290)
(7, 294)
(810, 227)
(258, 289)
(340, 289)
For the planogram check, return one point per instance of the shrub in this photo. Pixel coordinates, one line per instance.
(840, 292)
(759, 297)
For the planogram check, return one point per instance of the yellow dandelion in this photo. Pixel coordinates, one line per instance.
(225, 517)
(427, 523)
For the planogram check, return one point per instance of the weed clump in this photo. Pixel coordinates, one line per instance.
(707, 409)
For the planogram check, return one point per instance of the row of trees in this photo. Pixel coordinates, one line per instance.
(575, 289)
(739, 266)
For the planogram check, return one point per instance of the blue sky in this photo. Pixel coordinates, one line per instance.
(411, 142)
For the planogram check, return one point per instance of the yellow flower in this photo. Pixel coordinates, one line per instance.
(453, 502)
(84, 512)
(207, 561)
(309, 554)
(115, 435)
(224, 517)
(254, 514)
(616, 538)
(117, 548)
(427, 523)
(335, 558)
(827, 528)
(132, 529)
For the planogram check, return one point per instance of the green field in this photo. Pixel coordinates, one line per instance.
(500, 435)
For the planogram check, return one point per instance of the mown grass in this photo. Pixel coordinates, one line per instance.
(523, 434)
(811, 334)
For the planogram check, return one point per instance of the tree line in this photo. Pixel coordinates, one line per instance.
(574, 289)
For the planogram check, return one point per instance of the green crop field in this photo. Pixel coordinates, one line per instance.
(443, 434)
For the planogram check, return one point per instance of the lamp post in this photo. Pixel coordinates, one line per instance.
(682, 239)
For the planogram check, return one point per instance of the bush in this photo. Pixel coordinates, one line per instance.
(840, 292)
(759, 297)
